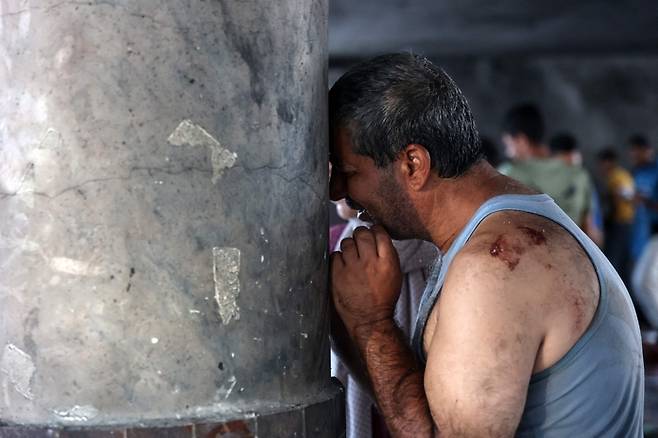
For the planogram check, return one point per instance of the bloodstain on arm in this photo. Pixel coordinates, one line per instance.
(509, 254)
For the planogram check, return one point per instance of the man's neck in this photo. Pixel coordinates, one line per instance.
(453, 202)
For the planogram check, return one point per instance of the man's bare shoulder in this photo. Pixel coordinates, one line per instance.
(505, 267)
(534, 270)
(512, 245)
(487, 330)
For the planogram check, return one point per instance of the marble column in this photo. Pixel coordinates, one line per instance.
(163, 180)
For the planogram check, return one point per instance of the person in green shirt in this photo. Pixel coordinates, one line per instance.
(570, 186)
(564, 147)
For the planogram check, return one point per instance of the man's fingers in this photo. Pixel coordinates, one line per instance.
(384, 243)
(336, 257)
(348, 247)
(365, 242)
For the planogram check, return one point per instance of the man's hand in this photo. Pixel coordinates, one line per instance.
(365, 284)
(365, 278)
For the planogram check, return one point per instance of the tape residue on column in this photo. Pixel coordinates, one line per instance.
(226, 273)
(18, 369)
(194, 135)
(75, 267)
(77, 414)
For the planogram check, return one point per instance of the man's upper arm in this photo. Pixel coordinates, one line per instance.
(483, 350)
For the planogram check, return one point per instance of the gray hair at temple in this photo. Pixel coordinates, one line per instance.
(394, 100)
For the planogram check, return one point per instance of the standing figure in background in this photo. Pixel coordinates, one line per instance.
(564, 147)
(620, 191)
(416, 260)
(523, 132)
(568, 185)
(645, 175)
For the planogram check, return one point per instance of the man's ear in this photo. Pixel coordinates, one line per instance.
(416, 166)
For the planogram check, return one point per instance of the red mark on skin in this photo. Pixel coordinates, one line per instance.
(536, 237)
(509, 254)
(579, 305)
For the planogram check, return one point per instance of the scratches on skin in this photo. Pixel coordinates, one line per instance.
(536, 237)
(579, 306)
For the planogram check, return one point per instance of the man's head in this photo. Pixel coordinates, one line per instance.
(565, 147)
(640, 151)
(608, 159)
(523, 132)
(395, 122)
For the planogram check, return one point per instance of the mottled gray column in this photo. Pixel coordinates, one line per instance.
(163, 172)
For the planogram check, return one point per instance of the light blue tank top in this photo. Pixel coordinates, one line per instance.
(597, 388)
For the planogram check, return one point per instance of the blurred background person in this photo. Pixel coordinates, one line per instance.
(532, 164)
(564, 147)
(522, 135)
(645, 176)
(619, 212)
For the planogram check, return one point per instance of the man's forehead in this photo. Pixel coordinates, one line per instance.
(340, 149)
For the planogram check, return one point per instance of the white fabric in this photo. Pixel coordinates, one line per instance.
(645, 282)
(416, 258)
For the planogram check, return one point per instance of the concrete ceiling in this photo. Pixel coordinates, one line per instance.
(362, 28)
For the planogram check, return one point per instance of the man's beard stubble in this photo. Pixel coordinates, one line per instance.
(397, 213)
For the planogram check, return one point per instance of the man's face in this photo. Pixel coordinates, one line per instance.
(516, 146)
(371, 190)
(573, 158)
(641, 155)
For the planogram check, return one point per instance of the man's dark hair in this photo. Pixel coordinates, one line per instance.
(525, 119)
(563, 143)
(394, 100)
(607, 154)
(638, 140)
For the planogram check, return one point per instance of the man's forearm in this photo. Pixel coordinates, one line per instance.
(396, 378)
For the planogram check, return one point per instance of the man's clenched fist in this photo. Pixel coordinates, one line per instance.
(365, 278)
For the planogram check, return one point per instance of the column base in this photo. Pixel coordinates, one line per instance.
(320, 419)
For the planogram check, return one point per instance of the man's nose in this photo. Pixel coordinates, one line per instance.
(337, 186)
